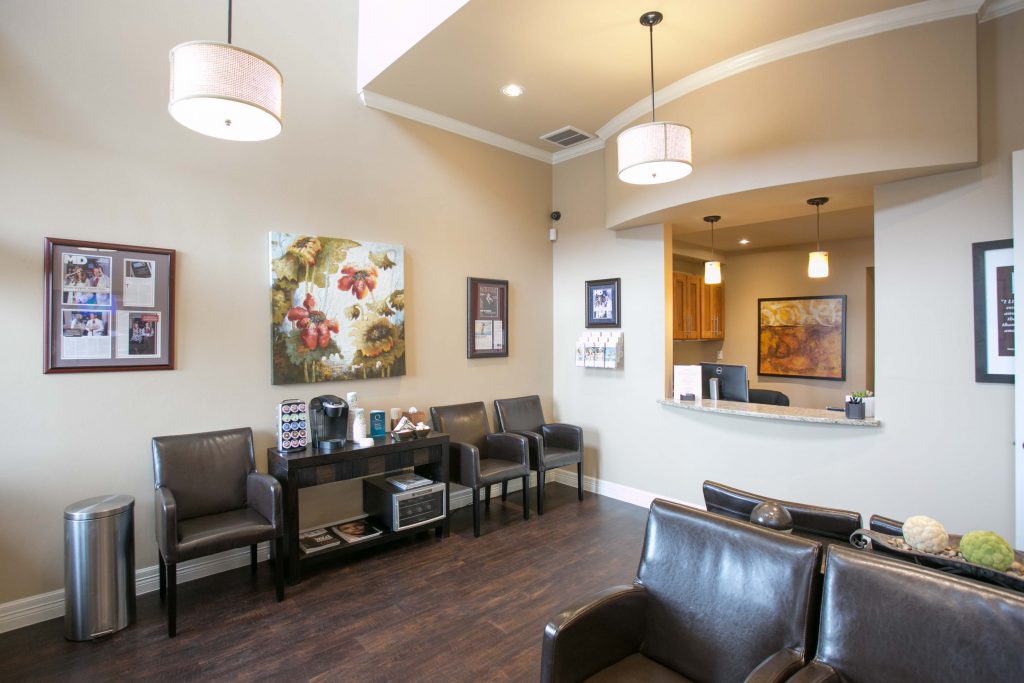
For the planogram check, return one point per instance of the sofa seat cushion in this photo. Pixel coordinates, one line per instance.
(559, 457)
(494, 470)
(637, 669)
(216, 533)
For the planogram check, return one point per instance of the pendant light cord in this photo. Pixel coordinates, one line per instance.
(651, 28)
(229, 22)
(817, 230)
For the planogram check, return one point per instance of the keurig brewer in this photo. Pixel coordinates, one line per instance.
(328, 416)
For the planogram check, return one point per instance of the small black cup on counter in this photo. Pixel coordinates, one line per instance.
(855, 409)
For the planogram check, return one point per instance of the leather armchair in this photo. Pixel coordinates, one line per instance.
(210, 498)
(689, 615)
(552, 444)
(478, 457)
(885, 620)
(826, 524)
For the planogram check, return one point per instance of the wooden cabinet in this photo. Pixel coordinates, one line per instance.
(698, 310)
(712, 311)
(685, 306)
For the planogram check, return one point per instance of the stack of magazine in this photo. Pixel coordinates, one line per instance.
(409, 480)
(317, 540)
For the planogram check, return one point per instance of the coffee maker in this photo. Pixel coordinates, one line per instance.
(328, 417)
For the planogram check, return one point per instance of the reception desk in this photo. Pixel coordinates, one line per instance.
(770, 412)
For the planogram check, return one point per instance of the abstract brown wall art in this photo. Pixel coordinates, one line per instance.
(802, 337)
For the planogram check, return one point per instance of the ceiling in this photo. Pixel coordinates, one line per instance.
(585, 64)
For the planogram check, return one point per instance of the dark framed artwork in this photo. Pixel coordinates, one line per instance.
(993, 311)
(802, 337)
(603, 303)
(486, 318)
(108, 307)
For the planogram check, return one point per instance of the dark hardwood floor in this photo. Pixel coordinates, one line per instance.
(422, 609)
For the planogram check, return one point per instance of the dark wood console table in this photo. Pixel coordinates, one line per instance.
(301, 469)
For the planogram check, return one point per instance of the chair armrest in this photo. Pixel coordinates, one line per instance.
(563, 436)
(591, 636)
(815, 672)
(777, 667)
(508, 446)
(263, 494)
(536, 443)
(166, 524)
(466, 459)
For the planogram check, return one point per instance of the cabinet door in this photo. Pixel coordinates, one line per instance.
(678, 282)
(712, 311)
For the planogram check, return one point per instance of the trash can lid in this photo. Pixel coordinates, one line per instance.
(100, 506)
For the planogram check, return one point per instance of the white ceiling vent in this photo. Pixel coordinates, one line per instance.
(566, 137)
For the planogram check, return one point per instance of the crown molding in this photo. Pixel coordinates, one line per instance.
(591, 145)
(993, 9)
(844, 31)
(410, 111)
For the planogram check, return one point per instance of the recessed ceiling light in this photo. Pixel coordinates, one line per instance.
(512, 90)
(744, 241)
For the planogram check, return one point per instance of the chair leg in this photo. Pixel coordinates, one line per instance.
(172, 600)
(163, 577)
(252, 559)
(487, 497)
(579, 479)
(476, 513)
(540, 492)
(279, 567)
(504, 491)
(526, 495)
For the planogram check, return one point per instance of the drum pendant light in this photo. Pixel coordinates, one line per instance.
(225, 92)
(817, 261)
(659, 151)
(713, 268)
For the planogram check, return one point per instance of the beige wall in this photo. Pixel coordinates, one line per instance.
(898, 100)
(89, 152)
(783, 273)
(955, 465)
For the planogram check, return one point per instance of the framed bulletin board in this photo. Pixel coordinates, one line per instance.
(993, 311)
(107, 307)
(486, 318)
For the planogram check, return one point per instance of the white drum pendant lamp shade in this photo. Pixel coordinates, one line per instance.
(713, 273)
(225, 92)
(656, 152)
(817, 264)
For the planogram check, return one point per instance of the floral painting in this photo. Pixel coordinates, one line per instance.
(803, 337)
(337, 307)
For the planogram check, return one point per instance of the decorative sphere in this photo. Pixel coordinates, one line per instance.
(772, 515)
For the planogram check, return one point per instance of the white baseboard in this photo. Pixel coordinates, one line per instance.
(45, 606)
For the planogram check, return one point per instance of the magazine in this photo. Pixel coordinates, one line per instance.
(356, 531)
(316, 540)
(409, 480)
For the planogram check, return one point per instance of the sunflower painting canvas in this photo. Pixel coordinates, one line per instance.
(803, 337)
(337, 309)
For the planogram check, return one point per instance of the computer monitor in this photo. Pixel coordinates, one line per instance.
(732, 381)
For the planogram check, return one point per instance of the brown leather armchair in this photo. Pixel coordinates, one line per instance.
(210, 498)
(552, 444)
(478, 457)
(827, 524)
(885, 620)
(714, 600)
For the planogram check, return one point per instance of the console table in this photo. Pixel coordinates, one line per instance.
(300, 469)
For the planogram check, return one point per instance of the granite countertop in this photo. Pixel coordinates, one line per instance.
(771, 412)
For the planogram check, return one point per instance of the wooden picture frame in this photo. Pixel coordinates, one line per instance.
(993, 311)
(802, 337)
(486, 318)
(603, 303)
(108, 307)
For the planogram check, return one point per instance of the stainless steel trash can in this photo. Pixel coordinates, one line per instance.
(99, 566)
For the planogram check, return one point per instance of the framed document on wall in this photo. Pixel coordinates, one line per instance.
(486, 318)
(993, 311)
(107, 307)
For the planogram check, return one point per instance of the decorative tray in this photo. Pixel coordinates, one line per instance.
(877, 541)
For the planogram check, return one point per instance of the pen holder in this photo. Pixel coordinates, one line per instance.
(854, 411)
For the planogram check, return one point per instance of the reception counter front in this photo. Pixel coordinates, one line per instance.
(770, 412)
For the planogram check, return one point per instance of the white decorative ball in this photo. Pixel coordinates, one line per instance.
(925, 534)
